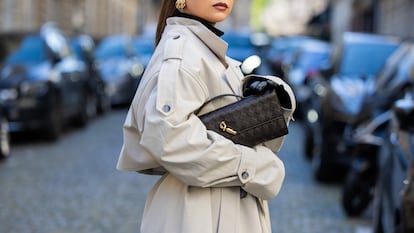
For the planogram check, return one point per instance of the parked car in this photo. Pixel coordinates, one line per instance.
(84, 48)
(337, 99)
(369, 130)
(240, 45)
(4, 133)
(393, 209)
(120, 67)
(310, 56)
(281, 53)
(44, 85)
(144, 46)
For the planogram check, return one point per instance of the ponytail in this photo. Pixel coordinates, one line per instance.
(167, 10)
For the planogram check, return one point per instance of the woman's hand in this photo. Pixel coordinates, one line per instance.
(259, 85)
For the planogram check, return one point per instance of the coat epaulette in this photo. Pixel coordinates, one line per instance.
(174, 47)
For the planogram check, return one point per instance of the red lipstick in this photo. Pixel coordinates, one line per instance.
(221, 6)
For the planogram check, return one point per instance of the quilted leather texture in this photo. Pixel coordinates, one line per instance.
(250, 121)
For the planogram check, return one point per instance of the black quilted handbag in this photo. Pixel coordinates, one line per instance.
(250, 121)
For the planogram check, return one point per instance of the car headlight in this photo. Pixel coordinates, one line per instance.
(8, 94)
(111, 89)
(320, 90)
(312, 116)
(54, 76)
(34, 88)
(136, 70)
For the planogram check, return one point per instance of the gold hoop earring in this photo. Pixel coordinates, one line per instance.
(180, 4)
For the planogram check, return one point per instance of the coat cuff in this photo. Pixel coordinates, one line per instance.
(261, 172)
(247, 168)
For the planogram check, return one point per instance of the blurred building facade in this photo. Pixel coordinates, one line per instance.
(388, 17)
(280, 17)
(396, 17)
(96, 17)
(287, 17)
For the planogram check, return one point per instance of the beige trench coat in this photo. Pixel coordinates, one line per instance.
(202, 172)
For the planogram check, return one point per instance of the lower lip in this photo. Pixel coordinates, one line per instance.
(220, 7)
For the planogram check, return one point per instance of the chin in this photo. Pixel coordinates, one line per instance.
(218, 19)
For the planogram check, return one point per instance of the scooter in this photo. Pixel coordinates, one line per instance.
(393, 209)
(358, 188)
(341, 100)
(368, 136)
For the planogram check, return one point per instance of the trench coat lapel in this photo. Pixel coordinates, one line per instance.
(218, 47)
(231, 77)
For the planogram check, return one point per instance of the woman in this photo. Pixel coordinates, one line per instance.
(208, 183)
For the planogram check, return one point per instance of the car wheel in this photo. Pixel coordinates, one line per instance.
(104, 105)
(312, 128)
(91, 106)
(56, 122)
(310, 142)
(357, 192)
(319, 151)
(319, 166)
(323, 163)
(309, 145)
(4, 138)
(87, 111)
(377, 210)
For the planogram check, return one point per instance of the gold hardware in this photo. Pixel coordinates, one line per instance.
(226, 129)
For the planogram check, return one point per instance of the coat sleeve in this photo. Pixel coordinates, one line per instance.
(180, 143)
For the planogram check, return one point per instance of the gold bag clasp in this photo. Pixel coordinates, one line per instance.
(223, 126)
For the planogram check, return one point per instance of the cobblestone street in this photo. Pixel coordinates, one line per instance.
(72, 186)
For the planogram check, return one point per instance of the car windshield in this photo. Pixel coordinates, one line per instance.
(237, 40)
(77, 49)
(365, 59)
(144, 45)
(240, 46)
(56, 42)
(32, 50)
(313, 60)
(284, 48)
(110, 49)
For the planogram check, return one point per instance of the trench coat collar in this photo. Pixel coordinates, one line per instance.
(203, 21)
(214, 42)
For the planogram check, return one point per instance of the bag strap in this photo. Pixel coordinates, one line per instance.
(215, 98)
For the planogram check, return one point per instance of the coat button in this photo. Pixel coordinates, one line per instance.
(245, 175)
(166, 108)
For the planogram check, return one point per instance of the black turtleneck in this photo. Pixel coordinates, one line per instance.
(201, 20)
